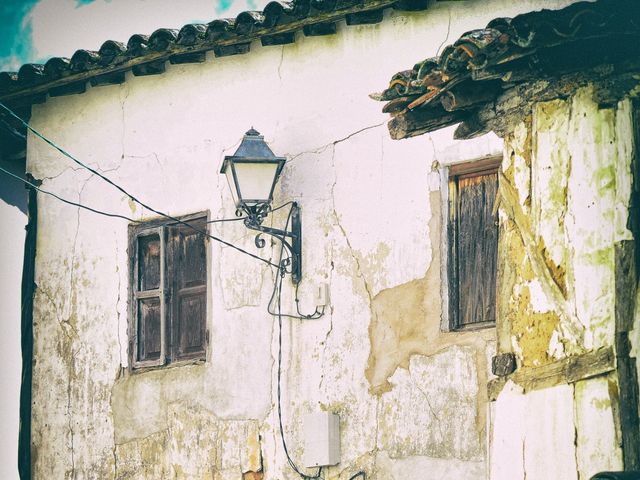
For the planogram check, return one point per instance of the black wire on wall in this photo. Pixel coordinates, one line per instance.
(131, 196)
(24, 460)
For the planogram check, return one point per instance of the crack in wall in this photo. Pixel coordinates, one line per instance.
(94, 165)
(73, 251)
(133, 440)
(575, 431)
(72, 368)
(126, 89)
(344, 232)
(115, 445)
(326, 337)
(323, 148)
(435, 150)
(118, 305)
(360, 273)
(115, 462)
(431, 409)
(280, 64)
(62, 172)
(376, 449)
(150, 154)
(524, 467)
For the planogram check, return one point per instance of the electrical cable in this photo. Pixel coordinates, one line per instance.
(277, 284)
(359, 474)
(133, 198)
(277, 293)
(300, 316)
(277, 287)
(218, 220)
(64, 200)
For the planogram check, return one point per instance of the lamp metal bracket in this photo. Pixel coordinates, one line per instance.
(291, 239)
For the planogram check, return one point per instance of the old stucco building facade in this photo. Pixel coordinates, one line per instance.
(414, 399)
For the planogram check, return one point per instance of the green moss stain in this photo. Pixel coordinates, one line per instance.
(604, 256)
(605, 179)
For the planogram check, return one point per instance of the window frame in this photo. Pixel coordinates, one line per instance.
(168, 298)
(449, 264)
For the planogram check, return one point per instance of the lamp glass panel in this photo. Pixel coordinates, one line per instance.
(232, 184)
(256, 180)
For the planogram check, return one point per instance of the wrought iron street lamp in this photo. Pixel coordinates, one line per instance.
(252, 172)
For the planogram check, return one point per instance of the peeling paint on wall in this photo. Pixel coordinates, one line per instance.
(405, 321)
(410, 398)
(576, 186)
(571, 187)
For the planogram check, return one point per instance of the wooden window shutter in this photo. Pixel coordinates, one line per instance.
(473, 247)
(148, 300)
(189, 296)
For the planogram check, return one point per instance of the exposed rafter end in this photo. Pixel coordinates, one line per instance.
(423, 120)
(472, 127)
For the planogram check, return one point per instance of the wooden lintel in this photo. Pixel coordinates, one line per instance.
(510, 107)
(469, 94)
(422, 120)
(561, 372)
(472, 127)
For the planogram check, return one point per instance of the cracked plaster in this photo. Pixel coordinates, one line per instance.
(370, 220)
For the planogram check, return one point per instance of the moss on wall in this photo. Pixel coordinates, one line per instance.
(563, 163)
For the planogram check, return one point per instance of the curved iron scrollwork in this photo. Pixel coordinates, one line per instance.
(291, 239)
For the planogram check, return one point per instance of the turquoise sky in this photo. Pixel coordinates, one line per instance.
(12, 14)
(35, 30)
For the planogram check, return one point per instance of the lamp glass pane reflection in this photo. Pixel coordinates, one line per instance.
(252, 171)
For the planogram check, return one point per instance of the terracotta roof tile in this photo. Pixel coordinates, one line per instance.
(478, 66)
(191, 34)
(276, 24)
(162, 39)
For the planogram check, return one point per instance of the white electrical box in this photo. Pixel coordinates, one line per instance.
(321, 439)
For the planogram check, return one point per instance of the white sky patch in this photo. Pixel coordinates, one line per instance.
(60, 27)
(11, 64)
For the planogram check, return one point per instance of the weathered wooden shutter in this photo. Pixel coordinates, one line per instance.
(148, 339)
(189, 296)
(473, 246)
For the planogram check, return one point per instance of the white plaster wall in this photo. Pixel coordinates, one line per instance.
(12, 223)
(367, 215)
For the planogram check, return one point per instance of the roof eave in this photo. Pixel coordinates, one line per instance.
(36, 91)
